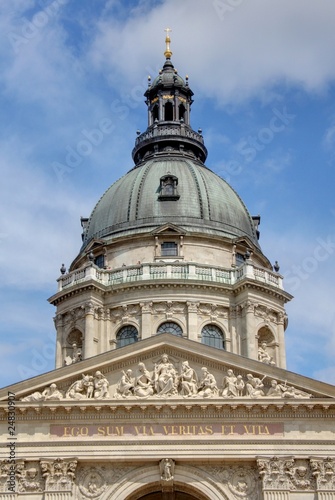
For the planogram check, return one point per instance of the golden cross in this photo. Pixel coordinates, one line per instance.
(167, 52)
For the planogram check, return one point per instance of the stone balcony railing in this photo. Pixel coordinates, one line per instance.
(176, 271)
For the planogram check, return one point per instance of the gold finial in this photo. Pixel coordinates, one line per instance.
(167, 52)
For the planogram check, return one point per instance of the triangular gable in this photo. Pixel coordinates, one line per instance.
(168, 229)
(110, 370)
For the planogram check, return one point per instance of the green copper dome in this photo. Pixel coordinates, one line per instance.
(199, 202)
(169, 183)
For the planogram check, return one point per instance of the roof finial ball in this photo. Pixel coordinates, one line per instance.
(167, 52)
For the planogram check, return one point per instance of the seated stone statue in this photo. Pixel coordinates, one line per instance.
(125, 385)
(229, 389)
(207, 385)
(166, 379)
(264, 356)
(188, 380)
(144, 383)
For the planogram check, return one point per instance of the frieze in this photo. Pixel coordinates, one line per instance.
(169, 378)
(203, 430)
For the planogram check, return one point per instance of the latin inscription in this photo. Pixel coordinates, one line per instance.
(158, 430)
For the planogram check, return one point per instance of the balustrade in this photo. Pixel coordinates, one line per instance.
(175, 271)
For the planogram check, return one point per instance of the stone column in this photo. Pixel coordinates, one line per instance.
(249, 333)
(59, 478)
(276, 495)
(281, 359)
(275, 474)
(89, 347)
(192, 320)
(108, 329)
(60, 350)
(323, 470)
(146, 317)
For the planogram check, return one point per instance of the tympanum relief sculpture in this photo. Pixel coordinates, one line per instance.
(170, 379)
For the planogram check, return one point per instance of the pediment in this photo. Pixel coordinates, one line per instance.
(140, 372)
(168, 229)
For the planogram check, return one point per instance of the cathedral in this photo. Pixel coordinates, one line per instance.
(170, 379)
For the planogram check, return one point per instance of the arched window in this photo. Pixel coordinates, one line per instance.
(182, 112)
(168, 111)
(126, 335)
(170, 327)
(100, 261)
(213, 336)
(155, 113)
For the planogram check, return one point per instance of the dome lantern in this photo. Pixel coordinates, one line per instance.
(169, 100)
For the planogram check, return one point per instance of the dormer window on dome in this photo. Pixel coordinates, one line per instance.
(168, 188)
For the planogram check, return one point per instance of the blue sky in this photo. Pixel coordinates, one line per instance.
(263, 75)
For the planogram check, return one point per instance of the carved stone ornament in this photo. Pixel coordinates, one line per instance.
(92, 482)
(29, 477)
(242, 481)
(323, 470)
(287, 474)
(166, 468)
(59, 474)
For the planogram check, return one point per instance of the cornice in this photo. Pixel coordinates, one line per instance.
(170, 410)
(103, 290)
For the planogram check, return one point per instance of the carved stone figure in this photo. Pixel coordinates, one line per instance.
(239, 385)
(76, 355)
(166, 467)
(166, 379)
(276, 390)
(229, 385)
(294, 393)
(49, 393)
(254, 386)
(207, 385)
(144, 383)
(188, 380)
(125, 385)
(81, 389)
(264, 356)
(101, 386)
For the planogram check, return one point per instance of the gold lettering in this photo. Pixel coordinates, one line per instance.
(201, 431)
(263, 429)
(209, 429)
(66, 430)
(119, 430)
(151, 431)
(139, 429)
(250, 429)
(174, 430)
(101, 431)
(166, 429)
(84, 431)
(228, 429)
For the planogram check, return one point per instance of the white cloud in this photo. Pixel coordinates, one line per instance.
(258, 45)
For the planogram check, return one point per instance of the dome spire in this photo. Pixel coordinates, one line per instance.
(167, 52)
